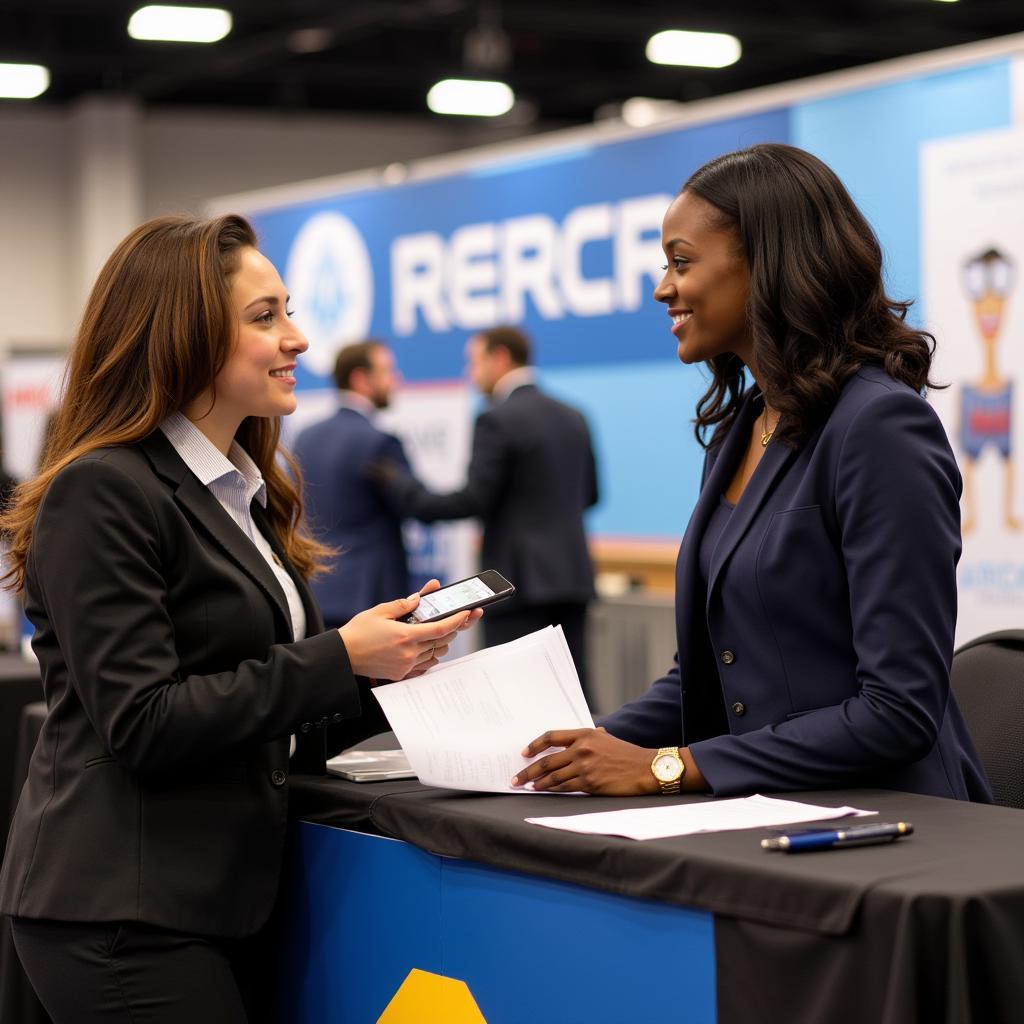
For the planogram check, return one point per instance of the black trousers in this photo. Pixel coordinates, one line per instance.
(136, 974)
(500, 626)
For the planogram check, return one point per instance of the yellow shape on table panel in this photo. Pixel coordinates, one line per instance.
(426, 998)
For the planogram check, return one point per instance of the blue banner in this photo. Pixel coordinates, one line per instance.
(565, 243)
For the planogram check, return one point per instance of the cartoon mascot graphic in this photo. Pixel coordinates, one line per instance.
(986, 404)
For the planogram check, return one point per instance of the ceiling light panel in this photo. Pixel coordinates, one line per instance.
(23, 81)
(693, 49)
(471, 98)
(180, 24)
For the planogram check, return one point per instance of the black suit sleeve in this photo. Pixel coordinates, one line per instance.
(391, 454)
(484, 479)
(98, 547)
(371, 722)
(592, 489)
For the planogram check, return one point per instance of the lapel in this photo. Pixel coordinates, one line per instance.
(775, 459)
(692, 598)
(208, 512)
(689, 589)
(314, 620)
(688, 581)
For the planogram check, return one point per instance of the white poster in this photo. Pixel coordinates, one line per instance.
(31, 388)
(435, 424)
(973, 272)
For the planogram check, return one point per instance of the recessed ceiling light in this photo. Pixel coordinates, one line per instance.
(23, 81)
(693, 49)
(180, 24)
(469, 97)
(394, 174)
(641, 111)
(310, 40)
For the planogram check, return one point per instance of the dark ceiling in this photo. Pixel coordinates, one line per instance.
(564, 59)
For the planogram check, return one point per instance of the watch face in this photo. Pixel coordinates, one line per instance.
(667, 768)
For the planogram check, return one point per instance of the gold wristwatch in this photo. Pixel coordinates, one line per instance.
(668, 768)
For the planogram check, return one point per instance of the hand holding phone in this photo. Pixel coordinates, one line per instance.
(477, 591)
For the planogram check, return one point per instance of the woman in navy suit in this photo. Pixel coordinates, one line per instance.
(816, 582)
(164, 567)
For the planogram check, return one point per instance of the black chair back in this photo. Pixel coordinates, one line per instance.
(988, 680)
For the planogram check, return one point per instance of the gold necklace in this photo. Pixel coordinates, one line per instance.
(766, 434)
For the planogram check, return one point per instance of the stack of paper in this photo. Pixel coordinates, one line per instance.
(464, 723)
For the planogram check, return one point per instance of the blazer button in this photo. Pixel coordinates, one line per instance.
(739, 708)
(305, 727)
(321, 722)
(278, 777)
(728, 657)
(338, 716)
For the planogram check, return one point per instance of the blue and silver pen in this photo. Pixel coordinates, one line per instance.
(855, 835)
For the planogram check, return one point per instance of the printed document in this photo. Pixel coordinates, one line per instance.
(706, 816)
(464, 723)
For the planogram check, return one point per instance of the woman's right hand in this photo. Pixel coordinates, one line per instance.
(381, 647)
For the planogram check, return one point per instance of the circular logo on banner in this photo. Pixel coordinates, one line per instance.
(331, 283)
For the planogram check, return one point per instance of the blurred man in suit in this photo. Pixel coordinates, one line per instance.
(531, 476)
(345, 507)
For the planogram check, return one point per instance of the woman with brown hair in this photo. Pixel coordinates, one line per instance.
(164, 566)
(816, 582)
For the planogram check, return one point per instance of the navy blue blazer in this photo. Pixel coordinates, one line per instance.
(819, 653)
(348, 510)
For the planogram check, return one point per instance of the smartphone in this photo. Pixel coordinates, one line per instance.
(484, 588)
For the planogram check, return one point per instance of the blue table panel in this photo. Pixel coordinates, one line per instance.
(362, 911)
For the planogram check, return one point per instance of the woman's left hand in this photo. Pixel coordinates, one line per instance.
(591, 762)
(440, 648)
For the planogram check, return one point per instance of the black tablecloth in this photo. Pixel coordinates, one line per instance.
(930, 928)
(19, 685)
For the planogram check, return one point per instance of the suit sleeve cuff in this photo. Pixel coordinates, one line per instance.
(331, 673)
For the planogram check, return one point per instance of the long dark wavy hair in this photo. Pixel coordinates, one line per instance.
(817, 309)
(157, 329)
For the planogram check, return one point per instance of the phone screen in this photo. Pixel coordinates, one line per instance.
(448, 599)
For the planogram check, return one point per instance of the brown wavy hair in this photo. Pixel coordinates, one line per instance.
(817, 309)
(157, 329)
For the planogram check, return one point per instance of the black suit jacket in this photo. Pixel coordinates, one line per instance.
(531, 476)
(157, 791)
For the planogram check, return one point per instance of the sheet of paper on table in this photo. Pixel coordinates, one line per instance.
(706, 816)
(463, 724)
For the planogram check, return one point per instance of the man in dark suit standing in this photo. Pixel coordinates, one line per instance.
(531, 476)
(346, 508)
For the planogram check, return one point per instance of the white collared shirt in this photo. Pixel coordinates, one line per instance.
(357, 403)
(513, 379)
(234, 481)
